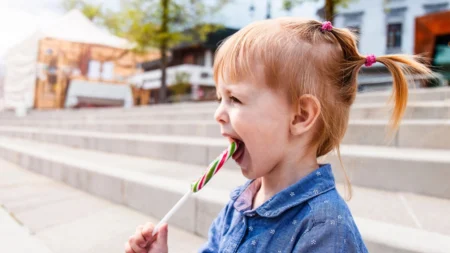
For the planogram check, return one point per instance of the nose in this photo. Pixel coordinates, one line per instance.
(221, 114)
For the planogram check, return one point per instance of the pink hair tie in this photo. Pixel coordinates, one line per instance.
(326, 26)
(370, 59)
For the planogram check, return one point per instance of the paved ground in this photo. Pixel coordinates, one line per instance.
(16, 238)
(40, 215)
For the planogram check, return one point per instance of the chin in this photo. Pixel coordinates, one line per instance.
(248, 174)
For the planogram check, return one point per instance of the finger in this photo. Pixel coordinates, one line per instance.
(147, 232)
(161, 238)
(136, 248)
(128, 248)
(139, 238)
(163, 233)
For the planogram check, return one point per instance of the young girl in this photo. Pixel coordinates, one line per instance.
(285, 88)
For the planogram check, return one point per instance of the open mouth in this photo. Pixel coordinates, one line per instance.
(239, 154)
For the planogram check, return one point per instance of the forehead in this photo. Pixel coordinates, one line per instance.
(244, 84)
(254, 78)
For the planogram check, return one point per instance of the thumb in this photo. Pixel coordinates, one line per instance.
(161, 239)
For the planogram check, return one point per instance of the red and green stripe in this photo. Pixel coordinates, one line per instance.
(214, 167)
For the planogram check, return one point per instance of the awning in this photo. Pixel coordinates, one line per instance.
(80, 90)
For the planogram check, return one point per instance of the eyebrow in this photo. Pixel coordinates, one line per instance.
(227, 91)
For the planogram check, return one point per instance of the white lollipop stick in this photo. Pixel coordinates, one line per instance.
(172, 211)
(213, 168)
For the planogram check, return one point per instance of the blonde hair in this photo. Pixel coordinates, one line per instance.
(297, 56)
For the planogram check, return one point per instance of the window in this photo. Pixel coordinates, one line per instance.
(431, 8)
(107, 71)
(199, 58)
(394, 36)
(394, 29)
(353, 21)
(356, 30)
(93, 69)
(188, 58)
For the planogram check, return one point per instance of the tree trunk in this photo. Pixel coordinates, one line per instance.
(163, 50)
(329, 10)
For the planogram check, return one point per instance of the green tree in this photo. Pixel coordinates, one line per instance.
(181, 85)
(329, 7)
(90, 10)
(162, 24)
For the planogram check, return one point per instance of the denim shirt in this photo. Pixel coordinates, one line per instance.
(308, 216)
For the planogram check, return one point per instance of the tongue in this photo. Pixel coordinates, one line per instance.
(239, 150)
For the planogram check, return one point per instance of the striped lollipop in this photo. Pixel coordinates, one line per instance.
(214, 167)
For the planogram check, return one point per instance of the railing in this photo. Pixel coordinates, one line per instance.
(384, 82)
(198, 75)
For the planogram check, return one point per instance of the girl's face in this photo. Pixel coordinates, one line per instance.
(258, 119)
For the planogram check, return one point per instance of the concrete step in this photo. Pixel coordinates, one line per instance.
(44, 216)
(415, 110)
(412, 133)
(387, 220)
(56, 113)
(430, 94)
(416, 95)
(186, 114)
(380, 167)
(423, 134)
(111, 112)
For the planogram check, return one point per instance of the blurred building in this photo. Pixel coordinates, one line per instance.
(433, 40)
(189, 64)
(387, 27)
(71, 63)
(383, 26)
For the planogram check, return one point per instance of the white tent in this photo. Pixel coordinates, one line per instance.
(1, 85)
(21, 60)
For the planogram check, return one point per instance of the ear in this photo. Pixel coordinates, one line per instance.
(305, 114)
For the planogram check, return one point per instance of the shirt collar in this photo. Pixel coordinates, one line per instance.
(314, 184)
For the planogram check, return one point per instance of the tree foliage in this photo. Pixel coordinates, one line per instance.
(181, 83)
(92, 11)
(143, 21)
(161, 24)
(330, 6)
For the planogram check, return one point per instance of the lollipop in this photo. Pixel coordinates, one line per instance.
(214, 167)
(196, 186)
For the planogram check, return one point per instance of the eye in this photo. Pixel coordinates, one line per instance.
(235, 100)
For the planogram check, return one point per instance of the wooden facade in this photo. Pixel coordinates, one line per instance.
(428, 28)
(59, 62)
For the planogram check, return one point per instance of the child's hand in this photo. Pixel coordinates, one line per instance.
(143, 241)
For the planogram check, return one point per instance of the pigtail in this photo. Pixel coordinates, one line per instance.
(401, 66)
(345, 82)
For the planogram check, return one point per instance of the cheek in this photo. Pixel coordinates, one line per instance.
(256, 126)
(266, 137)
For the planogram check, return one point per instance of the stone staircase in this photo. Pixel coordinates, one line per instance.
(146, 157)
